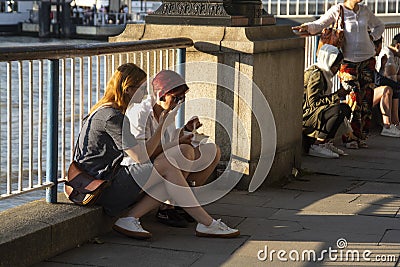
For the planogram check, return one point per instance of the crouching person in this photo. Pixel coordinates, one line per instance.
(323, 113)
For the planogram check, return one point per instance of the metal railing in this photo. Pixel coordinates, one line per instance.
(56, 85)
(301, 8)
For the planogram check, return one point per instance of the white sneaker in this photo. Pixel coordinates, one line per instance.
(392, 131)
(333, 148)
(131, 227)
(216, 229)
(322, 152)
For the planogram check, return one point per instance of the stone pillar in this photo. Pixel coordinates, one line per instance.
(270, 56)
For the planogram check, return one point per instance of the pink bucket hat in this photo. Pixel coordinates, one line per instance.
(167, 80)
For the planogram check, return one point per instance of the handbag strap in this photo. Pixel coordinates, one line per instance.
(340, 17)
(77, 140)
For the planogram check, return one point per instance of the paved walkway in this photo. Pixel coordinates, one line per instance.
(356, 197)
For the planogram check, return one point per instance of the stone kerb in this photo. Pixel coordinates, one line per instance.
(273, 58)
(38, 230)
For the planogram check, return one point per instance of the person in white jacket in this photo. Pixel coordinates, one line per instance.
(361, 28)
(169, 90)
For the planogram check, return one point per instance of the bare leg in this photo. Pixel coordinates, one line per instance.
(179, 195)
(208, 149)
(383, 94)
(395, 111)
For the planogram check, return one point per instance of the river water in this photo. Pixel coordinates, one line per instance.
(13, 41)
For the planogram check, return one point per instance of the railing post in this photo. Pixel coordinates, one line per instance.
(181, 62)
(52, 129)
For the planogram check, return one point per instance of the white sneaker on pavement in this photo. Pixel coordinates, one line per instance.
(322, 152)
(333, 148)
(392, 131)
(216, 229)
(131, 227)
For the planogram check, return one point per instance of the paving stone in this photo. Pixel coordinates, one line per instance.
(239, 210)
(389, 255)
(362, 206)
(379, 210)
(304, 199)
(211, 260)
(262, 228)
(338, 223)
(329, 238)
(377, 188)
(248, 254)
(119, 255)
(378, 199)
(391, 238)
(182, 238)
(346, 204)
(52, 264)
(392, 177)
(323, 183)
(242, 198)
(334, 204)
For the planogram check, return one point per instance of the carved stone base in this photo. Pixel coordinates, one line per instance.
(216, 13)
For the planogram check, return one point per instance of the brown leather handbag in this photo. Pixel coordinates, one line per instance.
(334, 35)
(82, 188)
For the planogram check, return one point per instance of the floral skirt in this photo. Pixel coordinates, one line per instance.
(358, 77)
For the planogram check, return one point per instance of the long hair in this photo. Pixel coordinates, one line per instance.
(126, 75)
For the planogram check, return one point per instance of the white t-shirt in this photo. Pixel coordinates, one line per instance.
(143, 125)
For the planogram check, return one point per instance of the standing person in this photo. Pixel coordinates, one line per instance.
(168, 90)
(387, 92)
(323, 113)
(357, 71)
(105, 138)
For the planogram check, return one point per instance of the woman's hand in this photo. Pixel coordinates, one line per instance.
(186, 139)
(301, 28)
(192, 124)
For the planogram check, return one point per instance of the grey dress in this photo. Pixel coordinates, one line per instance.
(104, 136)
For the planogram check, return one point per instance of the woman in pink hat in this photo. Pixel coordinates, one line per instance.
(168, 91)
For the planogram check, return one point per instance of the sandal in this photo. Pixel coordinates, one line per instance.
(351, 145)
(362, 144)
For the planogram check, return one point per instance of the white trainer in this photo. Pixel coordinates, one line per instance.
(216, 229)
(392, 131)
(333, 148)
(131, 227)
(322, 152)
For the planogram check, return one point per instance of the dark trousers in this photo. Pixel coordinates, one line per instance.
(331, 118)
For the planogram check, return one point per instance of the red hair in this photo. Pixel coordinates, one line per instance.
(127, 75)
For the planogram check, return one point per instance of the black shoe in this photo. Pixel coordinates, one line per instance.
(184, 214)
(171, 217)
